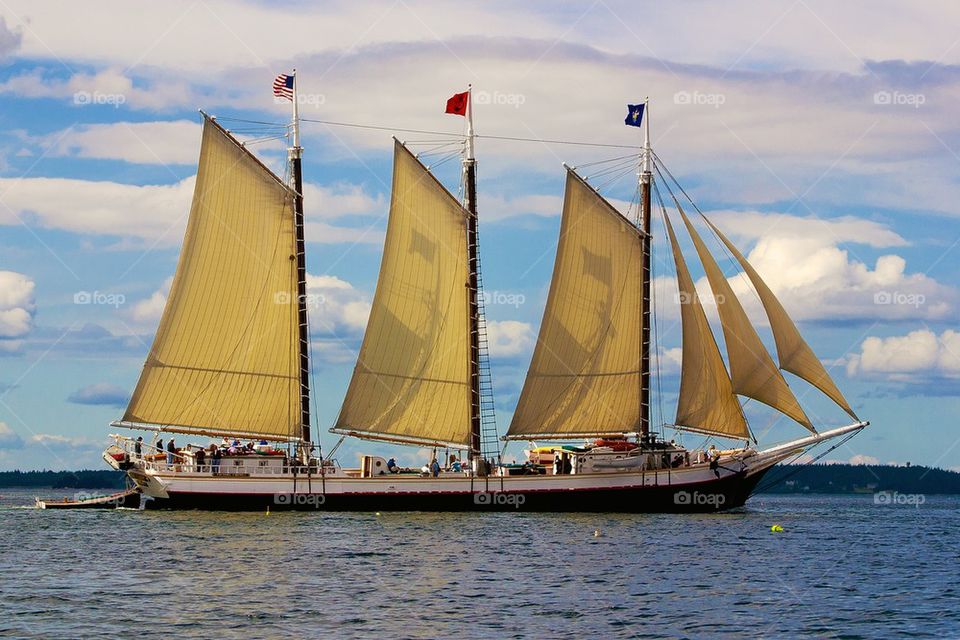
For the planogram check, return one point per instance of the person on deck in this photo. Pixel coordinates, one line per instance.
(138, 448)
(215, 456)
(392, 466)
(435, 468)
(171, 451)
(201, 457)
(159, 446)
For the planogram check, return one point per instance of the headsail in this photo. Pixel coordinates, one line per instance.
(794, 353)
(707, 403)
(225, 359)
(584, 378)
(752, 370)
(412, 378)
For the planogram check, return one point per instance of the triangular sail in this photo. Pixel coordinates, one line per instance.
(752, 370)
(412, 378)
(707, 403)
(224, 359)
(584, 378)
(794, 353)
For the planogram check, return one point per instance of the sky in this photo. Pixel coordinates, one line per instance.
(822, 137)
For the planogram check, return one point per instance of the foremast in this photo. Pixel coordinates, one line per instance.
(646, 180)
(470, 194)
(296, 174)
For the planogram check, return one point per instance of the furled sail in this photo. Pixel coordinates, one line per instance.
(794, 353)
(752, 370)
(707, 403)
(584, 378)
(412, 378)
(224, 360)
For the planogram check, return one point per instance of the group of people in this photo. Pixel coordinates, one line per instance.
(432, 469)
(200, 454)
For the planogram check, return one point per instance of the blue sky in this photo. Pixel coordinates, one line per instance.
(822, 138)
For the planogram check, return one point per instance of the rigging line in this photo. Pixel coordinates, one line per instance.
(229, 119)
(260, 140)
(616, 178)
(488, 137)
(663, 230)
(771, 482)
(612, 169)
(741, 273)
(632, 156)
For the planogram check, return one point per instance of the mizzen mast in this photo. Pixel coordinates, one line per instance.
(646, 180)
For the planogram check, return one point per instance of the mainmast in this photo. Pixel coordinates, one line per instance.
(470, 174)
(296, 152)
(646, 179)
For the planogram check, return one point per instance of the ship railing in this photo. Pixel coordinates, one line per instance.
(189, 467)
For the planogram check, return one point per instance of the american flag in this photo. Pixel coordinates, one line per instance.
(283, 87)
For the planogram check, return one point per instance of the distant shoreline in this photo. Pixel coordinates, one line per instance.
(788, 479)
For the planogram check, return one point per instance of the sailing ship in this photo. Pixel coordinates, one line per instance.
(231, 359)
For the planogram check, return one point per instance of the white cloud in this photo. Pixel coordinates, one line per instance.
(910, 357)
(336, 308)
(147, 212)
(9, 439)
(173, 142)
(16, 309)
(861, 458)
(509, 338)
(9, 38)
(148, 311)
(803, 263)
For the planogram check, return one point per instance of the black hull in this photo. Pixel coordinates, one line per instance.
(706, 497)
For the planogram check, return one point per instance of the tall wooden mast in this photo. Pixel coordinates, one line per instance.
(646, 179)
(296, 152)
(470, 175)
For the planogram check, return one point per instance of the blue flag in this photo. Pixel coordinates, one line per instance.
(634, 115)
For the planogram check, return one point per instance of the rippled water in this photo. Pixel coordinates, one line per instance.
(843, 567)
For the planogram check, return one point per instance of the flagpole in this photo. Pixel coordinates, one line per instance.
(646, 179)
(296, 153)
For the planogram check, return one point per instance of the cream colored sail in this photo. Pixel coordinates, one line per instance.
(794, 353)
(707, 403)
(752, 370)
(412, 378)
(224, 359)
(584, 378)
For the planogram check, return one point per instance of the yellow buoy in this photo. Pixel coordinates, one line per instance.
(268, 509)
(378, 513)
(597, 534)
(776, 529)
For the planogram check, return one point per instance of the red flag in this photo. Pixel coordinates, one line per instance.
(457, 105)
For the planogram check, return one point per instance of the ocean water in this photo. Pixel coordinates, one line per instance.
(843, 567)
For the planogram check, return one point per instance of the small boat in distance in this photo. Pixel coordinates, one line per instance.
(231, 359)
(126, 499)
